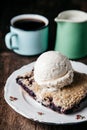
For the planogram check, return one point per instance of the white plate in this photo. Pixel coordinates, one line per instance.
(30, 109)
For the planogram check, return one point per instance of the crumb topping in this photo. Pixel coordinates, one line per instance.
(66, 97)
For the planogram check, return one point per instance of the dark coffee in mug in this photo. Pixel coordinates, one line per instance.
(28, 34)
(29, 24)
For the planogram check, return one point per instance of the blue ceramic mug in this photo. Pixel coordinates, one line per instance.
(28, 34)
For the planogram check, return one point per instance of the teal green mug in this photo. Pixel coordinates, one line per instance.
(28, 34)
(71, 33)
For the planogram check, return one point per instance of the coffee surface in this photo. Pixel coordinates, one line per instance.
(29, 24)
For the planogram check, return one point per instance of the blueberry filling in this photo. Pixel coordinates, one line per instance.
(30, 92)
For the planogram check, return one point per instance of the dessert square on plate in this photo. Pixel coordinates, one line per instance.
(66, 100)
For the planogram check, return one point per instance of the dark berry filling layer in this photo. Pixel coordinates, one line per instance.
(30, 92)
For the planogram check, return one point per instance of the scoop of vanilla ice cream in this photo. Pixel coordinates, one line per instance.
(52, 69)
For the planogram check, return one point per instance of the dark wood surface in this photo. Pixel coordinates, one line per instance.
(9, 61)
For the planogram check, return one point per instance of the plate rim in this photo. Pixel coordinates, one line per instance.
(53, 123)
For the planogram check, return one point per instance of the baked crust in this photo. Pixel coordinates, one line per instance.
(63, 100)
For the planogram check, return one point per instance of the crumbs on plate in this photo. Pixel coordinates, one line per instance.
(79, 117)
(40, 113)
(13, 98)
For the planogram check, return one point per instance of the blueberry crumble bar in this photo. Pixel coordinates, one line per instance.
(65, 100)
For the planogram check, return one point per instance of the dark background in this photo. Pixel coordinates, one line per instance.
(48, 8)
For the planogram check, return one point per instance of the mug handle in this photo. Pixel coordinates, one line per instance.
(11, 41)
